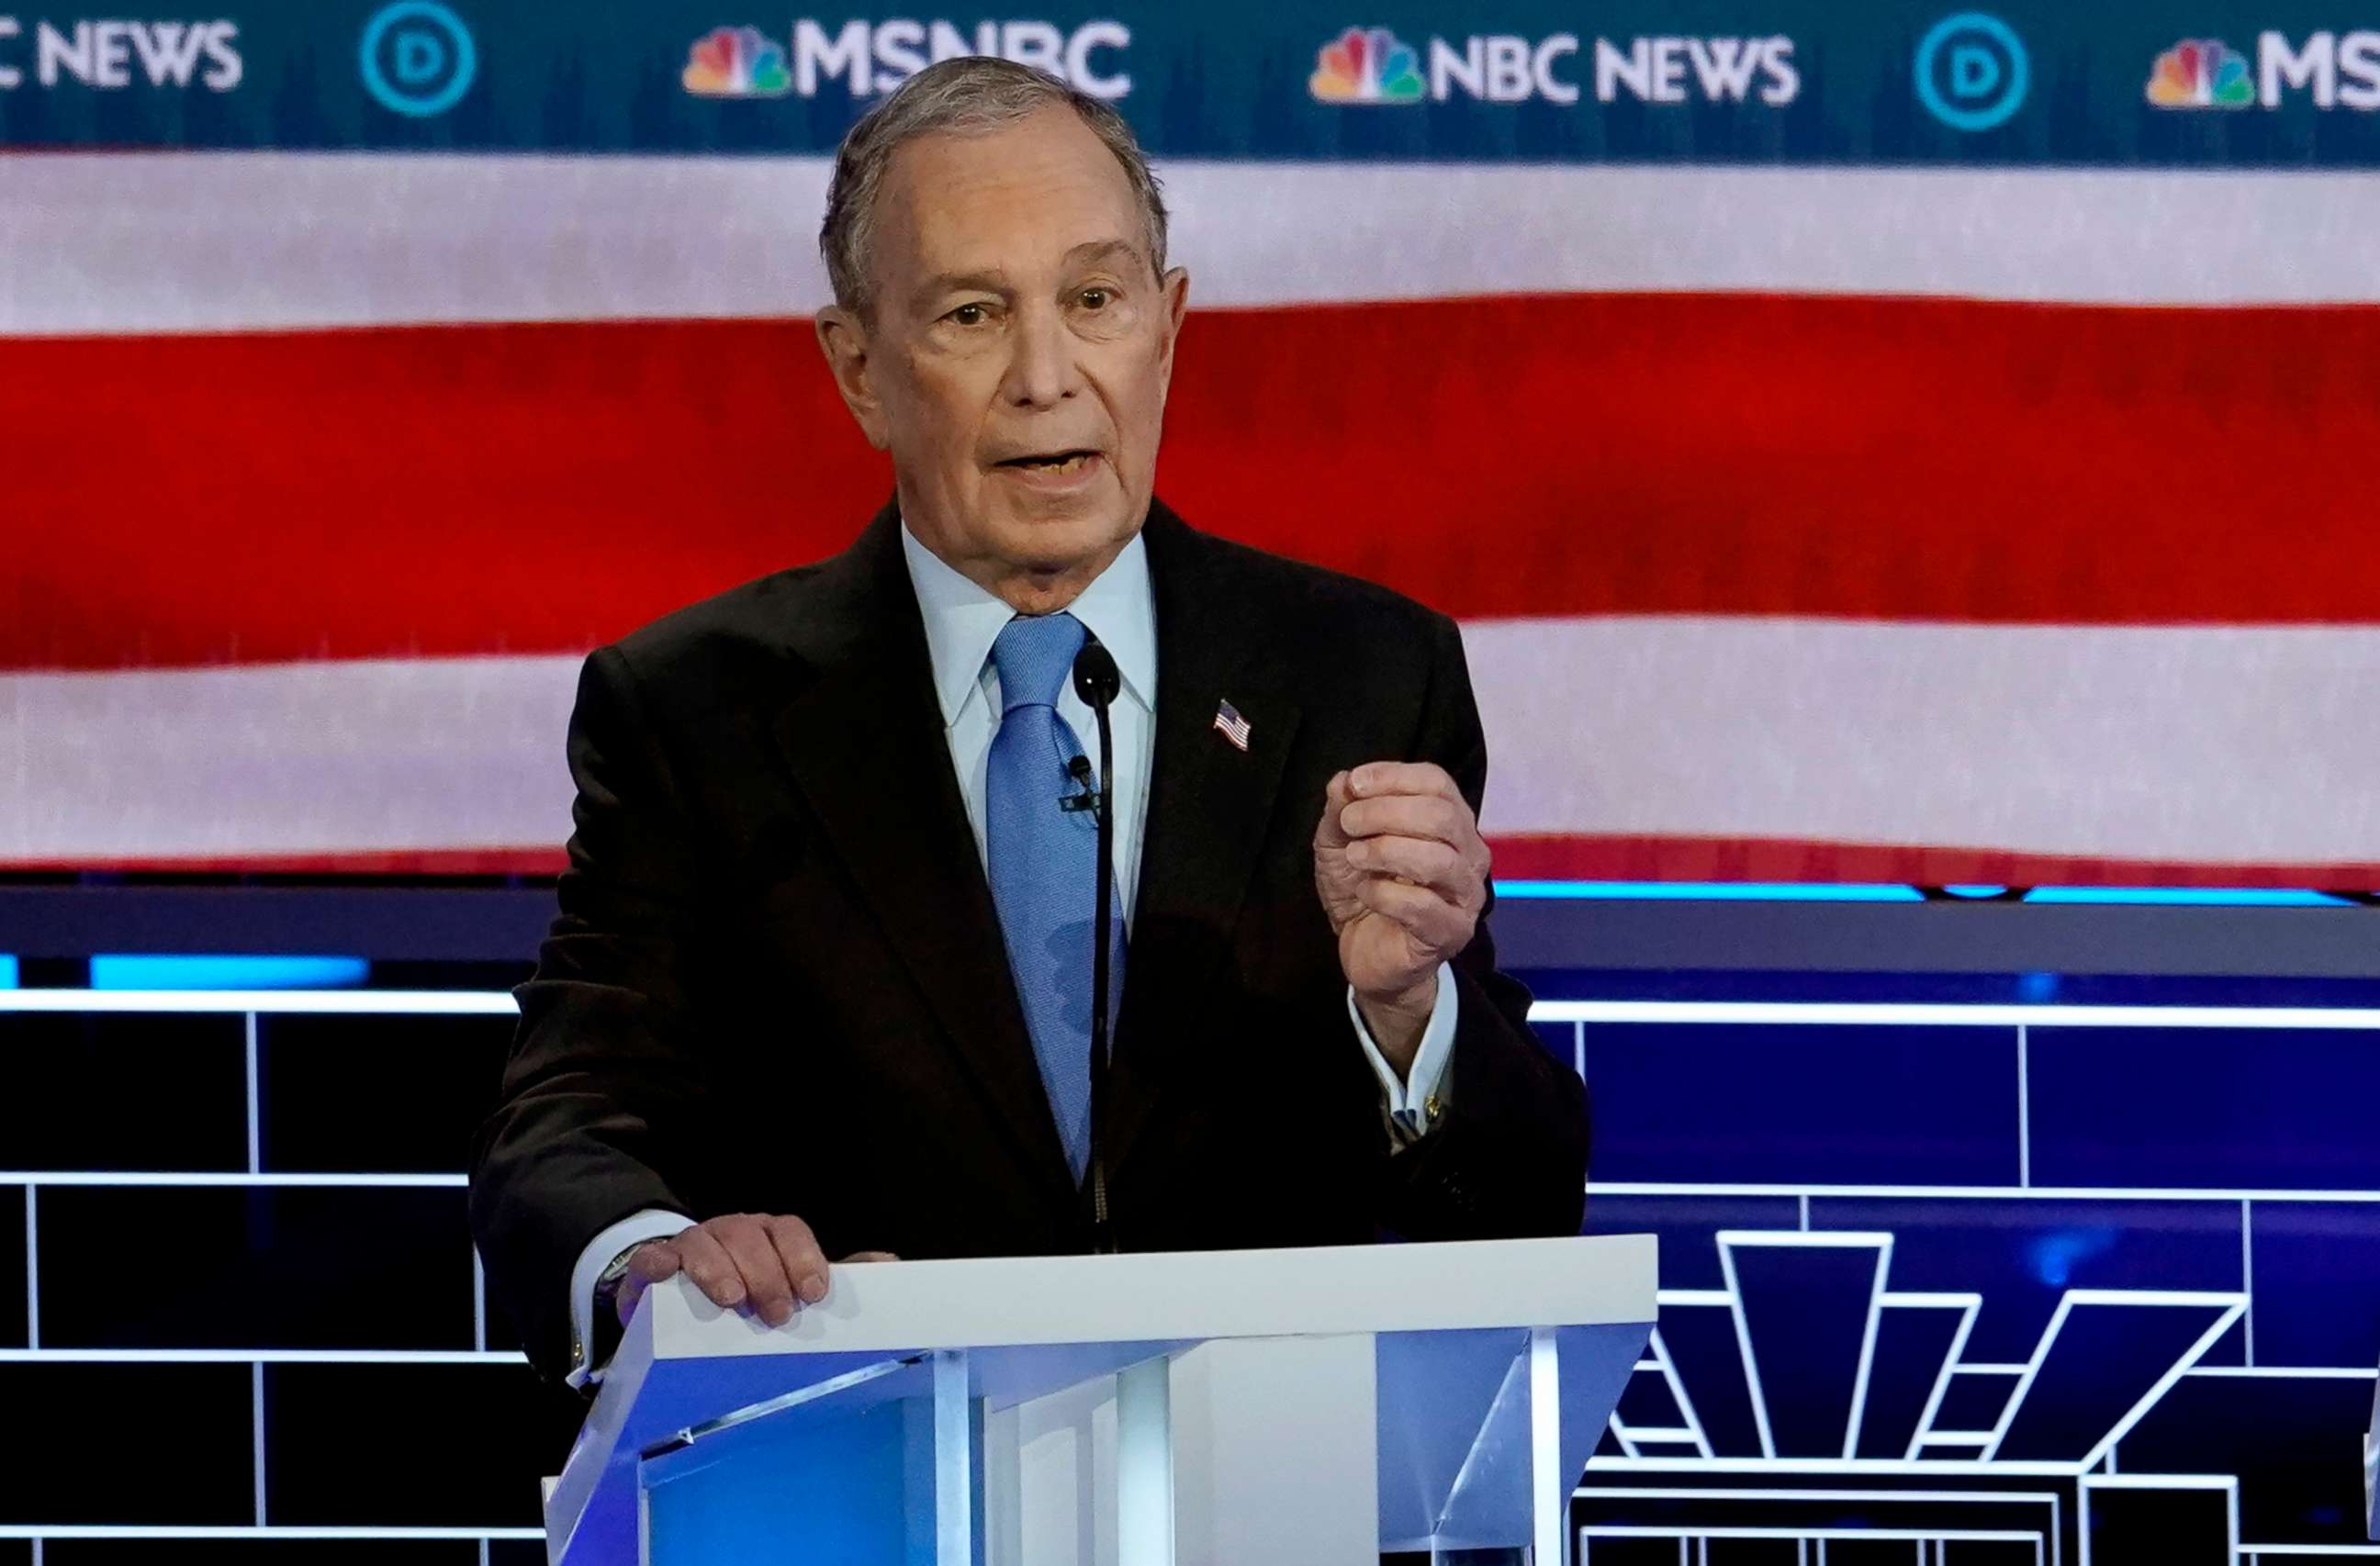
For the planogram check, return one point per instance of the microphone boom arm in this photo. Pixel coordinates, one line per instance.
(1097, 680)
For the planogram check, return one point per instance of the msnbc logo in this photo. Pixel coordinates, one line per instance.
(736, 62)
(2202, 73)
(1367, 66)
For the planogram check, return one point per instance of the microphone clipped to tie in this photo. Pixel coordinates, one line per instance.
(1098, 682)
(1079, 769)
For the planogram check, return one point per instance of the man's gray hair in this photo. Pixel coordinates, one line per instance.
(968, 96)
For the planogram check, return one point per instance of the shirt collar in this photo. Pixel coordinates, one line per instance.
(963, 621)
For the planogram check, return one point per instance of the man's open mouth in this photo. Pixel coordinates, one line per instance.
(1052, 462)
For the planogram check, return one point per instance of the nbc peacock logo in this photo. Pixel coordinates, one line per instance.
(736, 62)
(2202, 73)
(1367, 66)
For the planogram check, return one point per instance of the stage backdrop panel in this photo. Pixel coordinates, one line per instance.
(1950, 1328)
(1860, 441)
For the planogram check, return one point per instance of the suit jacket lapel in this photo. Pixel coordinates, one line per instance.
(865, 746)
(1210, 803)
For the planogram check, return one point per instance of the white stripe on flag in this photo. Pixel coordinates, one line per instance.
(256, 241)
(2197, 745)
(279, 758)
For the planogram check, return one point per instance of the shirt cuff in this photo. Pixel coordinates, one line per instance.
(650, 1223)
(1413, 1098)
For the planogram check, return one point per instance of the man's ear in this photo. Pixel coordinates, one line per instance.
(844, 340)
(1175, 288)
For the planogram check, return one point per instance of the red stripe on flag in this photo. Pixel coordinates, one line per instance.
(1523, 857)
(442, 863)
(541, 488)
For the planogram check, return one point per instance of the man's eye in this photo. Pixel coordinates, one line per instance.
(969, 315)
(1097, 299)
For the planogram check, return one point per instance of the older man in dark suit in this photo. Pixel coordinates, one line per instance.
(821, 983)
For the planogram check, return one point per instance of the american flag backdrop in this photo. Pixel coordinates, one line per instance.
(1827, 491)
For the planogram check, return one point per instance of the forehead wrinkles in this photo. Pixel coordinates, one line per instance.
(1025, 194)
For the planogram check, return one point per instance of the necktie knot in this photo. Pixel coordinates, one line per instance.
(1034, 654)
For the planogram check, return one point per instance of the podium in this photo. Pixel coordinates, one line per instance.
(2372, 1472)
(1317, 1407)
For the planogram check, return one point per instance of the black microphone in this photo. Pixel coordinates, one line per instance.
(1079, 769)
(1096, 681)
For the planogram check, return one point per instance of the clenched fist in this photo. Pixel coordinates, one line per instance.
(1403, 872)
(771, 1263)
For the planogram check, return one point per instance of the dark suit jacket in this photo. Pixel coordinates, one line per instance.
(777, 983)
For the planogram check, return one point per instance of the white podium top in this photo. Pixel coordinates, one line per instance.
(911, 1307)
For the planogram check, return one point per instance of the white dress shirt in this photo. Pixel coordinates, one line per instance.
(961, 621)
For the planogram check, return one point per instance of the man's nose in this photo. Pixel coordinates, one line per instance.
(1043, 373)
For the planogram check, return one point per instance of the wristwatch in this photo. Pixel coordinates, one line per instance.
(605, 1330)
(608, 1281)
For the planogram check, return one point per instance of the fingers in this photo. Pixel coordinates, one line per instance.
(649, 1264)
(770, 1262)
(1424, 862)
(1410, 798)
(1429, 918)
(652, 1263)
(768, 1287)
(868, 1256)
(1411, 815)
(709, 1262)
(1427, 839)
(1330, 832)
(1390, 800)
(1373, 779)
(1455, 874)
(734, 1261)
(803, 1264)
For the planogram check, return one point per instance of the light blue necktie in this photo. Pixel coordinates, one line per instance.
(1042, 857)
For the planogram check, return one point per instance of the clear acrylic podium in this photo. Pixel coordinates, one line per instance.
(2372, 1471)
(1310, 1407)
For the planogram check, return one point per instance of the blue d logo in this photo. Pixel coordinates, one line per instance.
(1971, 71)
(419, 59)
(416, 58)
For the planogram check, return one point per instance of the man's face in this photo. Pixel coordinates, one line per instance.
(1018, 356)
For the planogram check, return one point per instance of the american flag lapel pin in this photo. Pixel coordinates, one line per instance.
(1230, 726)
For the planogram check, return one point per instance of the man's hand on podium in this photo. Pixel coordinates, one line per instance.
(770, 1262)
